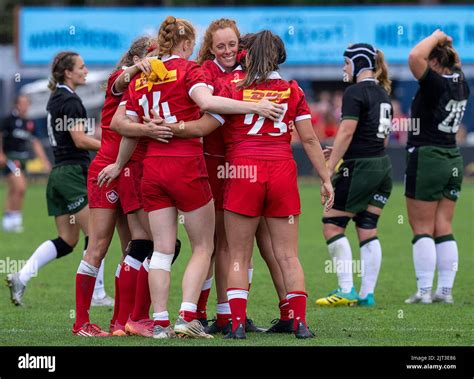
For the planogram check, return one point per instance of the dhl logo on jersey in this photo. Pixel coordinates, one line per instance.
(158, 75)
(257, 95)
(143, 81)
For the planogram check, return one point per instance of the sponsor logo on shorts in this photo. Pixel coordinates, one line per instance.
(112, 196)
(228, 171)
(454, 193)
(380, 198)
(76, 204)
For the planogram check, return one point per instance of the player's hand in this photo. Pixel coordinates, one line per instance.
(156, 128)
(441, 36)
(327, 195)
(327, 152)
(47, 167)
(3, 160)
(270, 110)
(144, 66)
(108, 174)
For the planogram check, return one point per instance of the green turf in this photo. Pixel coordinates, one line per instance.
(47, 317)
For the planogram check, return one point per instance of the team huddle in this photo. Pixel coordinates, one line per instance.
(169, 128)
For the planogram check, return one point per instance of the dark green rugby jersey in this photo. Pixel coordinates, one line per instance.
(369, 104)
(439, 105)
(65, 109)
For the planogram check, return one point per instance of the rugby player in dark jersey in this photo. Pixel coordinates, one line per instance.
(66, 192)
(17, 136)
(434, 169)
(363, 181)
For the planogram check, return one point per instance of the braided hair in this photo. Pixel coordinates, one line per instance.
(172, 31)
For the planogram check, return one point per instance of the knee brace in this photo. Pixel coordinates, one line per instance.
(366, 220)
(62, 247)
(160, 261)
(139, 249)
(340, 221)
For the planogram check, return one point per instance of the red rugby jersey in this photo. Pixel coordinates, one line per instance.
(216, 76)
(251, 135)
(140, 150)
(171, 99)
(110, 140)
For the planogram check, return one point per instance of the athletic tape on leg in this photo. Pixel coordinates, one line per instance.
(160, 261)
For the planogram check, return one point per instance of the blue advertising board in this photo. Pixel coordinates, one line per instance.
(312, 35)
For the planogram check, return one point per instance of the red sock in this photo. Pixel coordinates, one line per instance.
(84, 290)
(127, 287)
(284, 310)
(116, 301)
(141, 308)
(188, 316)
(238, 305)
(223, 319)
(163, 323)
(223, 314)
(202, 302)
(297, 300)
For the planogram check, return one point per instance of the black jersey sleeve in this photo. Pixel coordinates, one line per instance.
(352, 102)
(432, 85)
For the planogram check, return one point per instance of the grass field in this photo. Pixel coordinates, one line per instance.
(47, 317)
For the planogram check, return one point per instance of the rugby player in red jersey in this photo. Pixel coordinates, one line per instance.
(218, 59)
(254, 143)
(107, 203)
(175, 175)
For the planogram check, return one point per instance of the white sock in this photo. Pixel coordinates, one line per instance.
(188, 307)
(161, 316)
(341, 254)
(99, 288)
(223, 308)
(132, 262)
(207, 284)
(87, 269)
(8, 221)
(17, 218)
(371, 257)
(424, 259)
(447, 262)
(117, 271)
(146, 265)
(45, 253)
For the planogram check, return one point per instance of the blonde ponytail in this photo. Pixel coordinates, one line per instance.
(381, 73)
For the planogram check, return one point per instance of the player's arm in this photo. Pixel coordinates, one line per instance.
(190, 129)
(418, 58)
(40, 153)
(82, 140)
(112, 171)
(343, 139)
(313, 150)
(128, 126)
(203, 97)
